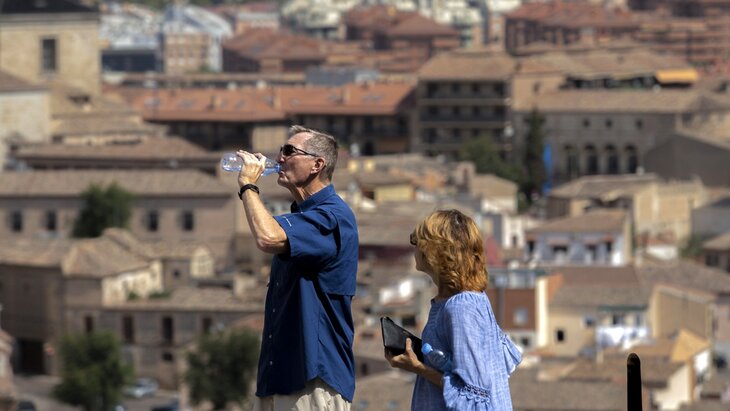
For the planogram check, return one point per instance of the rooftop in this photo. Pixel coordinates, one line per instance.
(9, 83)
(596, 221)
(468, 66)
(72, 183)
(604, 186)
(629, 101)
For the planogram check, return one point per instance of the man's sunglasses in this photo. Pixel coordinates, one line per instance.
(288, 150)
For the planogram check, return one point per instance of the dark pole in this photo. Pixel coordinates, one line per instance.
(633, 383)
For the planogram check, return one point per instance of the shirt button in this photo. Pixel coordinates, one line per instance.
(271, 363)
(277, 283)
(269, 336)
(273, 310)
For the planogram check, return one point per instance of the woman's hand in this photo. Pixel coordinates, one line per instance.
(407, 361)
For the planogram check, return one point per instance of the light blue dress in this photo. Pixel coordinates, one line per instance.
(482, 357)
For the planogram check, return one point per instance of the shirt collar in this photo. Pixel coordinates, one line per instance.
(314, 200)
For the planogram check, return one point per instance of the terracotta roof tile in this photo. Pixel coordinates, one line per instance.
(718, 243)
(626, 101)
(686, 274)
(11, 83)
(258, 44)
(601, 186)
(194, 299)
(146, 148)
(65, 183)
(566, 395)
(271, 104)
(468, 66)
(417, 25)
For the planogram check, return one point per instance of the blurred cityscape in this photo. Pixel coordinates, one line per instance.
(590, 140)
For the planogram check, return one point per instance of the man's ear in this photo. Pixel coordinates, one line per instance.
(318, 165)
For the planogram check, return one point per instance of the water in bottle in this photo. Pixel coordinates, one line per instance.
(437, 357)
(233, 163)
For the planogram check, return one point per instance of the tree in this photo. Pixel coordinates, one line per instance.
(222, 368)
(103, 208)
(93, 372)
(486, 159)
(533, 160)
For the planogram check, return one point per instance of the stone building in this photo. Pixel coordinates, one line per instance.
(51, 42)
(179, 205)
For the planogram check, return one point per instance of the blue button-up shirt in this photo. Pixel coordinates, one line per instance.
(308, 327)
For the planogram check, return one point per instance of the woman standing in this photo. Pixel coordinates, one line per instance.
(460, 323)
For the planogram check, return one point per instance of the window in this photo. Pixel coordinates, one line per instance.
(153, 220)
(591, 160)
(609, 123)
(88, 324)
(167, 357)
(188, 221)
(530, 247)
(632, 159)
(712, 260)
(207, 325)
(16, 221)
(639, 124)
(617, 319)
(525, 341)
(589, 321)
(128, 329)
(586, 123)
(49, 62)
(559, 335)
(612, 160)
(176, 273)
(591, 253)
(609, 248)
(520, 316)
(51, 221)
(168, 332)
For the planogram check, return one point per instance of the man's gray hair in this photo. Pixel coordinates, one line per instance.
(321, 144)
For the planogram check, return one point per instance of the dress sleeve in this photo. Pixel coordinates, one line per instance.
(470, 334)
(311, 235)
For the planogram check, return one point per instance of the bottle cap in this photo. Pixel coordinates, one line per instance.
(426, 348)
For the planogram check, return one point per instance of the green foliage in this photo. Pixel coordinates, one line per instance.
(131, 296)
(693, 247)
(222, 368)
(103, 208)
(486, 159)
(534, 166)
(93, 372)
(160, 294)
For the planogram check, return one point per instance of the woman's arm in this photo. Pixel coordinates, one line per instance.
(408, 361)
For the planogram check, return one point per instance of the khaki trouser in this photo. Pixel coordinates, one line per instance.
(316, 396)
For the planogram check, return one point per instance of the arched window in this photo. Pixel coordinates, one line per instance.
(611, 160)
(632, 159)
(591, 160)
(572, 166)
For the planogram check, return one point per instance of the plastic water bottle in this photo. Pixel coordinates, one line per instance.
(233, 163)
(437, 357)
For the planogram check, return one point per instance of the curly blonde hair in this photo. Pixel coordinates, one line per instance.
(453, 247)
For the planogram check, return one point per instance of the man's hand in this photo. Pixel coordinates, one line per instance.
(253, 167)
(407, 361)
